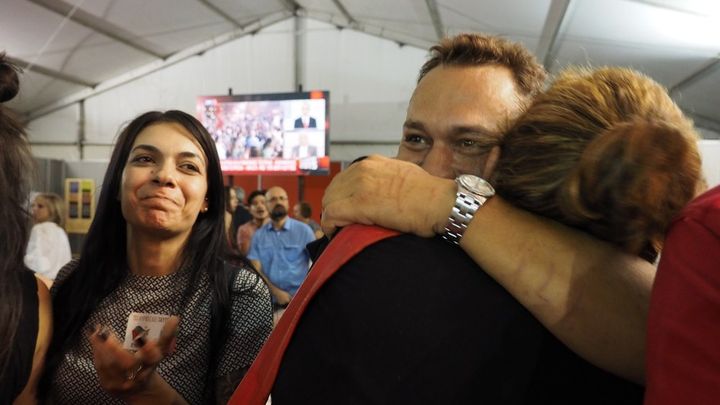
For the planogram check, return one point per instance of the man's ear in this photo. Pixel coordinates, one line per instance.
(491, 162)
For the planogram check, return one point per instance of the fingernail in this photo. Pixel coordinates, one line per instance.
(90, 330)
(104, 333)
(140, 341)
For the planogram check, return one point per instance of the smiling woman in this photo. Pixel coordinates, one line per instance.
(164, 182)
(154, 253)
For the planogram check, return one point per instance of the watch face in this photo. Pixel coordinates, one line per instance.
(476, 185)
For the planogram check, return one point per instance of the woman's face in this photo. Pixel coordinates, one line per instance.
(232, 200)
(258, 209)
(40, 210)
(164, 182)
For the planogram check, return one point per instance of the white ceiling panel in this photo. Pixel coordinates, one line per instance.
(96, 7)
(38, 90)
(322, 6)
(25, 29)
(248, 10)
(640, 23)
(702, 97)
(171, 24)
(101, 58)
(404, 17)
(517, 18)
(668, 39)
(666, 67)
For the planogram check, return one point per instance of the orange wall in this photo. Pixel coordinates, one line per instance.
(313, 190)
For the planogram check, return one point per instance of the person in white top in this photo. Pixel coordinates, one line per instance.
(49, 248)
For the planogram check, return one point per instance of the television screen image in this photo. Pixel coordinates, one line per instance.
(275, 133)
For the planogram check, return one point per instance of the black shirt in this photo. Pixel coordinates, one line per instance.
(415, 321)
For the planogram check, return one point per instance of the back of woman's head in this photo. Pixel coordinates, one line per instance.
(55, 207)
(15, 170)
(606, 151)
(16, 166)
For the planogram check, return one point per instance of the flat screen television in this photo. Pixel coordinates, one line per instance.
(275, 133)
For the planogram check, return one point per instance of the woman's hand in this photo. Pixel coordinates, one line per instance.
(131, 376)
(391, 193)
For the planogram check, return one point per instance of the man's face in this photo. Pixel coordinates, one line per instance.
(454, 114)
(277, 203)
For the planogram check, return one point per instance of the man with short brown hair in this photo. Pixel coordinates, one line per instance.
(414, 320)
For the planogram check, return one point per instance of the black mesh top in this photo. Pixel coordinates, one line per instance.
(76, 381)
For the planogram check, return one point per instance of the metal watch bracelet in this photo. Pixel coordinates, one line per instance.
(462, 213)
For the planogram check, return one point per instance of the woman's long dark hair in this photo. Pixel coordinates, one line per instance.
(16, 166)
(103, 263)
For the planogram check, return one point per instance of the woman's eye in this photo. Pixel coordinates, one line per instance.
(142, 159)
(190, 166)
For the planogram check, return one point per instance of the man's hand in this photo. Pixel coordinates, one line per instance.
(282, 297)
(391, 193)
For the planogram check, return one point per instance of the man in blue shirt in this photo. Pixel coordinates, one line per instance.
(277, 249)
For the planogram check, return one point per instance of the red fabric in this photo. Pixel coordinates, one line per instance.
(258, 382)
(683, 346)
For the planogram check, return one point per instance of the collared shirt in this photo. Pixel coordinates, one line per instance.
(282, 253)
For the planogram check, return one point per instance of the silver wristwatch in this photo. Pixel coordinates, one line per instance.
(472, 193)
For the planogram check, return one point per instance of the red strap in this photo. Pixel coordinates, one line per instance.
(258, 382)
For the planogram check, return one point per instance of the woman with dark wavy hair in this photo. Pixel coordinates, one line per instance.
(25, 314)
(155, 254)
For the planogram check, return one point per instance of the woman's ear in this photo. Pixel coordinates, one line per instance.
(491, 162)
(205, 205)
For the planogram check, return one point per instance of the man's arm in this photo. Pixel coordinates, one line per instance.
(282, 297)
(593, 297)
(589, 294)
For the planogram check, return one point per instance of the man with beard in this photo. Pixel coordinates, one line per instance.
(277, 249)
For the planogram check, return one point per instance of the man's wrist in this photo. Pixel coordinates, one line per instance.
(446, 202)
(472, 193)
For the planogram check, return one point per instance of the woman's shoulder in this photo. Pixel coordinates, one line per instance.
(48, 228)
(245, 278)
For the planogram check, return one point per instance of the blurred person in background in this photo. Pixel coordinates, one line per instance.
(25, 313)
(260, 216)
(241, 214)
(277, 249)
(231, 203)
(49, 248)
(302, 211)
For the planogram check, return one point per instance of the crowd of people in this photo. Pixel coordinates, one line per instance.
(536, 288)
(242, 134)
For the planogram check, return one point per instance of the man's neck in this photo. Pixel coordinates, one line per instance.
(260, 221)
(279, 223)
(152, 255)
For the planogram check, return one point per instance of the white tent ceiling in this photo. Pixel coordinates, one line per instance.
(72, 48)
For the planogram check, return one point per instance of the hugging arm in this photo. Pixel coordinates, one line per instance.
(588, 293)
(592, 296)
